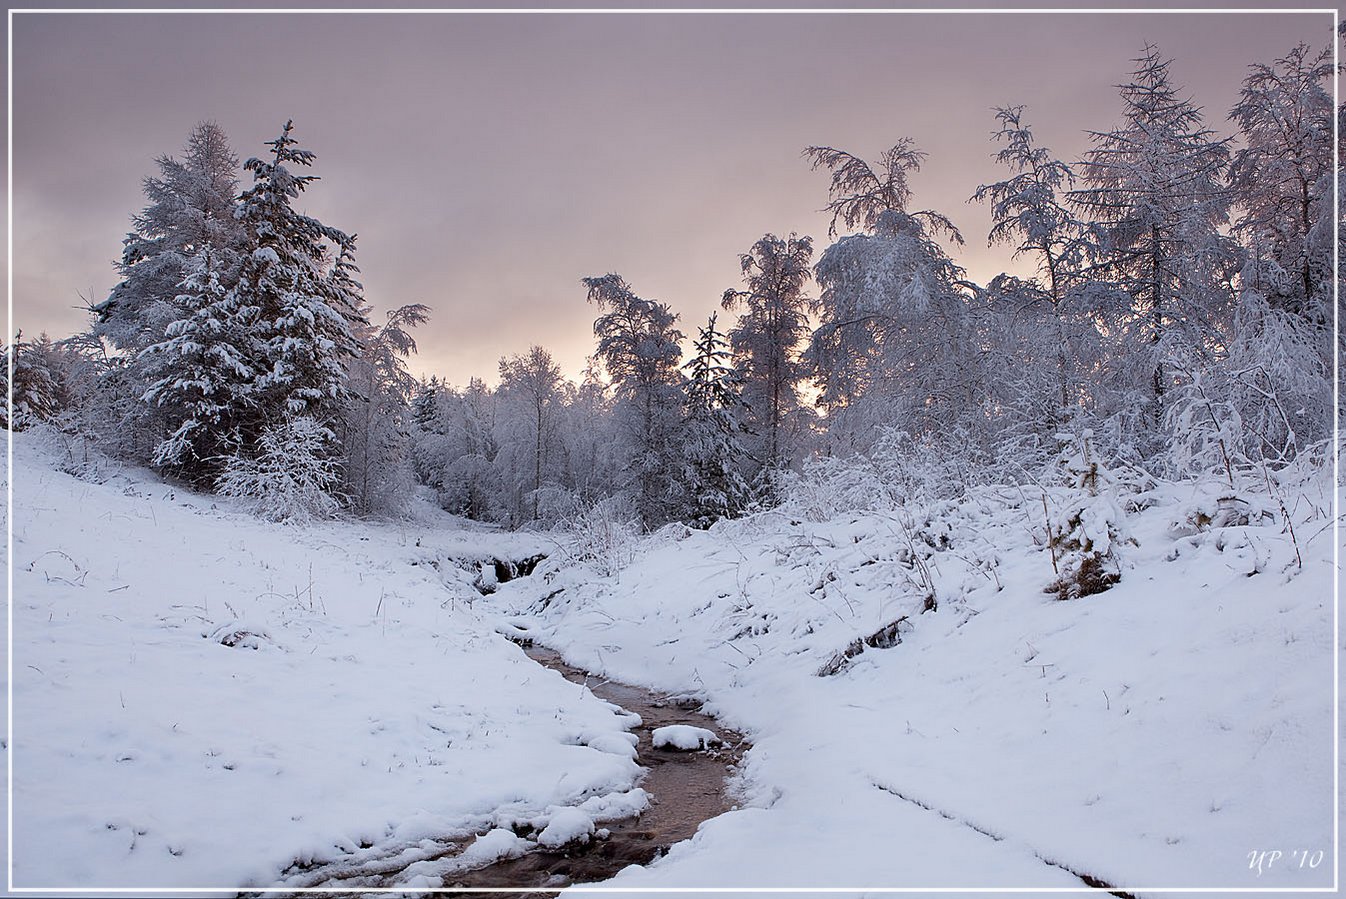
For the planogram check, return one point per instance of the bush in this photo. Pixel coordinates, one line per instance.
(292, 476)
(1084, 537)
(604, 534)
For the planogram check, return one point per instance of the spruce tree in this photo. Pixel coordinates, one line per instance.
(202, 373)
(298, 280)
(714, 452)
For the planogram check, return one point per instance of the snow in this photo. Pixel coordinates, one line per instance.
(365, 701)
(567, 825)
(684, 737)
(1152, 735)
(205, 699)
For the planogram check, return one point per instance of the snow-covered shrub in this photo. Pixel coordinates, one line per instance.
(73, 451)
(292, 475)
(604, 534)
(1088, 527)
(898, 471)
(555, 505)
(1215, 506)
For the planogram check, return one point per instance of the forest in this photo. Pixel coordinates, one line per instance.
(1172, 317)
(882, 575)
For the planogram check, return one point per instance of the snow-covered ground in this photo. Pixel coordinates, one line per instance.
(203, 699)
(1160, 734)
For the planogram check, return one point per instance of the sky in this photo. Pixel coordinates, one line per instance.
(489, 161)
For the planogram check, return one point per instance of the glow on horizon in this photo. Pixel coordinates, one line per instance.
(488, 162)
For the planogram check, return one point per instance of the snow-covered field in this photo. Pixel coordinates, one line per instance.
(1154, 735)
(364, 699)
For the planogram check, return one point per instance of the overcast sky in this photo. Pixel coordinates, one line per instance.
(489, 161)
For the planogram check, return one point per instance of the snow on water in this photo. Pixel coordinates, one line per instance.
(1161, 734)
(202, 699)
(684, 737)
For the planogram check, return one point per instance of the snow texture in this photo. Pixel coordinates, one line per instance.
(684, 737)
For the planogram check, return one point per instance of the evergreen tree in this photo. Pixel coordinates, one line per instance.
(767, 339)
(714, 431)
(306, 301)
(202, 372)
(191, 206)
(32, 390)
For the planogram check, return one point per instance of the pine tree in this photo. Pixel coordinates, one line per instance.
(31, 388)
(191, 205)
(202, 373)
(638, 346)
(714, 430)
(1154, 187)
(306, 302)
(767, 341)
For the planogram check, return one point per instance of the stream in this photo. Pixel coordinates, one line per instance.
(685, 789)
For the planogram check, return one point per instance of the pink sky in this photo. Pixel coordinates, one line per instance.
(489, 161)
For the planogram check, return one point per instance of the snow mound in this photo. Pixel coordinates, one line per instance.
(684, 737)
(567, 825)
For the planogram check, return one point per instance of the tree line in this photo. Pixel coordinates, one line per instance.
(1178, 310)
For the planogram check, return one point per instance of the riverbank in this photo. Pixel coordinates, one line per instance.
(202, 699)
(1148, 737)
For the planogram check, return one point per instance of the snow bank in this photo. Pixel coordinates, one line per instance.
(1153, 735)
(202, 699)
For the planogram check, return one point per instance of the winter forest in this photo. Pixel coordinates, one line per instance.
(866, 478)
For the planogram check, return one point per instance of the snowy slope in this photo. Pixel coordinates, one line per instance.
(1151, 736)
(364, 701)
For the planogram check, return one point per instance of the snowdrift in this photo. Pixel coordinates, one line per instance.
(203, 699)
(924, 714)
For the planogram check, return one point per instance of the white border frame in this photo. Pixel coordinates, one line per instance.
(1336, 448)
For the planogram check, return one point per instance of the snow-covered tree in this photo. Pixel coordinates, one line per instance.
(33, 393)
(1154, 186)
(1042, 332)
(376, 436)
(588, 437)
(454, 446)
(892, 342)
(767, 339)
(297, 278)
(532, 391)
(1283, 179)
(714, 432)
(638, 347)
(860, 192)
(201, 373)
(1088, 526)
(191, 206)
(292, 474)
